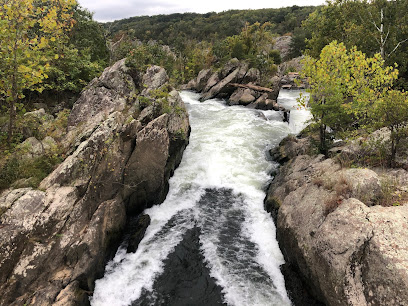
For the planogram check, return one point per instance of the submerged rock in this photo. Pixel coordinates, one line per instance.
(56, 241)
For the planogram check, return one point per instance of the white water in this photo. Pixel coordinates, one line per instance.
(226, 151)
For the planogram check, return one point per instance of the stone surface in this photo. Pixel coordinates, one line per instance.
(138, 233)
(154, 78)
(54, 242)
(30, 148)
(282, 44)
(347, 251)
(202, 79)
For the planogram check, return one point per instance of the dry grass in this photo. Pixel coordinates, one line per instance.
(340, 190)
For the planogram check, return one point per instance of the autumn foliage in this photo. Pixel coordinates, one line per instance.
(31, 32)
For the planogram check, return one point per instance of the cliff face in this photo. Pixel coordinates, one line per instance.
(122, 149)
(347, 249)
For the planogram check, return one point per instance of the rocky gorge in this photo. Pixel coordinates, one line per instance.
(347, 249)
(126, 135)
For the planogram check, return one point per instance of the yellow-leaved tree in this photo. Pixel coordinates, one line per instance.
(30, 33)
(345, 88)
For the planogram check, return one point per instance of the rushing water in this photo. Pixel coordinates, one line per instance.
(211, 242)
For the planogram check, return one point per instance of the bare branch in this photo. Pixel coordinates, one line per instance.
(396, 47)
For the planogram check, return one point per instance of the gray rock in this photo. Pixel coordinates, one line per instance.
(39, 114)
(282, 44)
(229, 67)
(236, 96)
(252, 76)
(154, 77)
(145, 171)
(103, 96)
(49, 143)
(212, 81)
(247, 97)
(346, 251)
(221, 87)
(54, 242)
(30, 148)
(202, 79)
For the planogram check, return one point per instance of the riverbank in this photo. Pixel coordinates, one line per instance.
(348, 249)
(126, 135)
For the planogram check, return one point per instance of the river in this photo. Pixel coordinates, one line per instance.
(211, 242)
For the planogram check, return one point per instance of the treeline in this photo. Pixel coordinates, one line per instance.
(175, 29)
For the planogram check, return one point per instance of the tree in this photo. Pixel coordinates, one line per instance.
(376, 26)
(30, 31)
(344, 88)
(84, 56)
(392, 112)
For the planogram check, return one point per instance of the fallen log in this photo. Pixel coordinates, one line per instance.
(253, 87)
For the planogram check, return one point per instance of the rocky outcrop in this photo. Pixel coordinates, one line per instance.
(55, 241)
(224, 83)
(238, 84)
(347, 249)
(282, 44)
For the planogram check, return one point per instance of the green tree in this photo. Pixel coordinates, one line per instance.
(392, 112)
(30, 32)
(377, 26)
(344, 88)
(82, 58)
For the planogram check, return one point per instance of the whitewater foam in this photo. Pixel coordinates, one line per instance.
(219, 187)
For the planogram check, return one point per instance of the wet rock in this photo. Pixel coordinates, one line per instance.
(141, 225)
(242, 96)
(186, 279)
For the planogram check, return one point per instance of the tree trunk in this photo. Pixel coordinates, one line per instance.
(12, 115)
(323, 141)
(12, 111)
(394, 144)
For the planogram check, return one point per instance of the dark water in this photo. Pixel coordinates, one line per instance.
(186, 280)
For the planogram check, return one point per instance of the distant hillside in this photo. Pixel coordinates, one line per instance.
(175, 28)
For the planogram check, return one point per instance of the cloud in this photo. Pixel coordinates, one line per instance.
(112, 10)
(108, 10)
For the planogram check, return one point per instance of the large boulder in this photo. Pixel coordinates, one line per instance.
(222, 88)
(282, 44)
(348, 252)
(104, 95)
(56, 241)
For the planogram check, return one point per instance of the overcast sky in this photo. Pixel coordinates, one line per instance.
(108, 10)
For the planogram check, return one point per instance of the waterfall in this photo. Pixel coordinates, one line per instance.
(212, 221)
